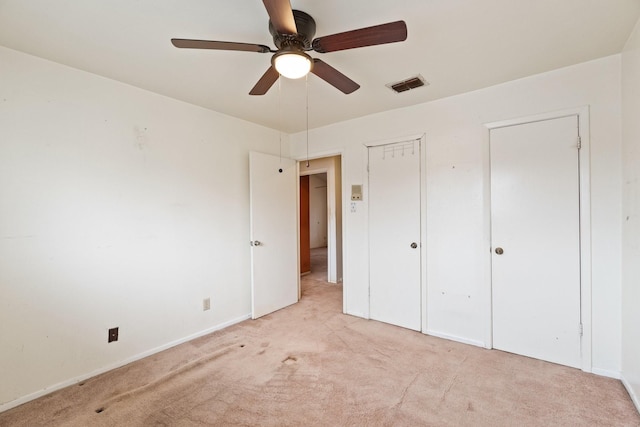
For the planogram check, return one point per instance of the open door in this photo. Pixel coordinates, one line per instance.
(274, 233)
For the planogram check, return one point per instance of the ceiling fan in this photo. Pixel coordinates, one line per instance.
(293, 33)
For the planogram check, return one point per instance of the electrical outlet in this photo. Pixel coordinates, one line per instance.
(206, 304)
(113, 335)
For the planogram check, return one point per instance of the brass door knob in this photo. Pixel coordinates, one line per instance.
(499, 251)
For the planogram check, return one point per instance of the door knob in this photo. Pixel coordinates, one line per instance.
(256, 243)
(414, 245)
(499, 251)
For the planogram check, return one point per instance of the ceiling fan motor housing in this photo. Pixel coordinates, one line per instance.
(306, 27)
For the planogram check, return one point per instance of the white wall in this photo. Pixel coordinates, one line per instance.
(318, 211)
(119, 207)
(631, 215)
(457, 215)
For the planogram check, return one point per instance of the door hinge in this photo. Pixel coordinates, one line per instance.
(580, 329)
(579, 142)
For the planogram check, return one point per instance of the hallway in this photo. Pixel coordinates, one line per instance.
(318, 275)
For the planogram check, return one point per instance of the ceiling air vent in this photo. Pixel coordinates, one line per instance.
(408, 84)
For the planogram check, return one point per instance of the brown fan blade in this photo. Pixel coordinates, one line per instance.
(334, 77)
(281, 16)
(266, 81)
(211, 44)
(379, 34)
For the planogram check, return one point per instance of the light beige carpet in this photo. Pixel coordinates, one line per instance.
(310, 365)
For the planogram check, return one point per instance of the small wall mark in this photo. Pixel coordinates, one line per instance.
(140, 135)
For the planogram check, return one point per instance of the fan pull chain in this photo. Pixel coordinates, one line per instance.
(307, 87)
(280, 114)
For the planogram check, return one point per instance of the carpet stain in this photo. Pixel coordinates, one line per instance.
(164, 379)
(470, 407)
(289, 360)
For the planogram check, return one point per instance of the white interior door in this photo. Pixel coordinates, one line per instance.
(394, 234)
(274, 238)
(535, 222)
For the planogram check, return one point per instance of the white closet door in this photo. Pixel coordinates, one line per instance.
(535, 216)
(394, 234)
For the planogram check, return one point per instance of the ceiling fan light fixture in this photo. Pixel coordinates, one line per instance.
(292, 64)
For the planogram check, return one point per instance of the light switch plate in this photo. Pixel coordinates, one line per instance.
(356, 192)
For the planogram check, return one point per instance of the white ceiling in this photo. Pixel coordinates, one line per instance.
(457, 45)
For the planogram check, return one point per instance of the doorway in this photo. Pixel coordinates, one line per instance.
(321, 216)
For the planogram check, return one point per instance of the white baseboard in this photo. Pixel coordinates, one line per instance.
(356, 314)
(634, 397)
(606, 373)
(50, 389)
(455, 338)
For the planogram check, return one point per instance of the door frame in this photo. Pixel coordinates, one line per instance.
(582, 114)
(331, 227)
(421, 138)
(331, 190)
